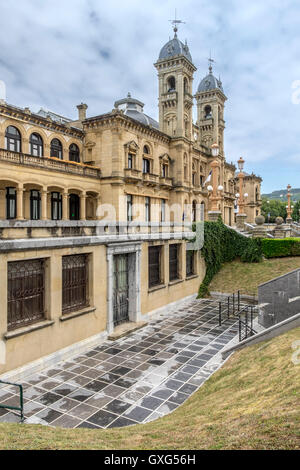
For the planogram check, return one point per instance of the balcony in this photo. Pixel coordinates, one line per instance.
(228, 195)
(166, 182)
(132, 175)
(150, 179)
(46, 163)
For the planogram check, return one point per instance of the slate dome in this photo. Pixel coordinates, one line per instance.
(135, 109)
(173, 48)
(210, 82)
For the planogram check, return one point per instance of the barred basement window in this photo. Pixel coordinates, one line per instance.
(74, 283)
(189, 263)
(154, 256)
(173, 262)
(26, 293)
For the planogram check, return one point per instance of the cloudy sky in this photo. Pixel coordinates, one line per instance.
(57, 53)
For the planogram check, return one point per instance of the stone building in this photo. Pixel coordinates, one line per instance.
(95, 213)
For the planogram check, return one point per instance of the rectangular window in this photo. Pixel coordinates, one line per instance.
(74, 283)
(163, 210)
(35, 205)
(189, 263)
(130, 160)
(164, 171)
(11, 203)
(173, 262)
(146, 165)
(26, 293)
(147, 209)
(154, 260)
(129, 207)
(56, 206)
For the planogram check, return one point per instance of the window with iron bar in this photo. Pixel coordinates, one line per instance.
(190, 263)
(74, 283)
(26, 293)
(173, 262)
(154, 262)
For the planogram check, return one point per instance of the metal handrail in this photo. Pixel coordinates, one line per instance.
(17, 408)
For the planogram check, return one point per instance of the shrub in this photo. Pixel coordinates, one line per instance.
(279, 247)
(222, 244)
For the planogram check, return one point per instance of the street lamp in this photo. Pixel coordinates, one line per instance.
(241, 163)
(215, 150)
(288, 208)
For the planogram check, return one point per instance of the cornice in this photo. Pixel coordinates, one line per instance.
(31, 118)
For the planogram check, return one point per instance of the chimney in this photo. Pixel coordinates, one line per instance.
(82, 111)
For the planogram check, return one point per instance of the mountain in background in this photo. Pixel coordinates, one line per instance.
(281, 194)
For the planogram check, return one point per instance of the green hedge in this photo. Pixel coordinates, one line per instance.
(222, 244)
(278, 247)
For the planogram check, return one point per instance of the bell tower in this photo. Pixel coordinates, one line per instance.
(175, 75)
(210, 110)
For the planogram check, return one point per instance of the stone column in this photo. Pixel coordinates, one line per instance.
(44, 204)
(65, 206)
(214, 213)
(83, 205)
(20, 212)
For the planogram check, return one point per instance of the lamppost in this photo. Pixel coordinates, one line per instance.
(288, 207)
(214, 189)
(241, 216)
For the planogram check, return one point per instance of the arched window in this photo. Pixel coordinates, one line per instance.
(207, 112)
(56, 149)
(12, 139)
(74, 154)
(36, 145)
(171, 84)
(146, 150)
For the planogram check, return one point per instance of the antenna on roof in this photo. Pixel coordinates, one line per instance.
(175, 23)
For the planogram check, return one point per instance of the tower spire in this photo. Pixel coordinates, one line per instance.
(175, 23)
(210, 62)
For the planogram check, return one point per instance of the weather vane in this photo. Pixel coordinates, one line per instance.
(210, 61)
(175, 23)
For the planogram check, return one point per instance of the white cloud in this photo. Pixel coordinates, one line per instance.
(57, 53)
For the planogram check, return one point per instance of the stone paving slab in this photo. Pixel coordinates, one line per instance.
(135, 379)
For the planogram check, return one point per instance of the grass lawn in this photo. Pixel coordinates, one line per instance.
(251, 403)
(246, 277)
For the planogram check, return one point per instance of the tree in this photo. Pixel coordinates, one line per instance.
(295, 214)
(275, 208)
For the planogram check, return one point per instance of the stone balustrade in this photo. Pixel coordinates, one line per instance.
(49, 163)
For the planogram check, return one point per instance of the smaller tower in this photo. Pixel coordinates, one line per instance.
(175, 74)
(210, 110)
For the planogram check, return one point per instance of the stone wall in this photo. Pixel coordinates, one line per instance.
(279, 299)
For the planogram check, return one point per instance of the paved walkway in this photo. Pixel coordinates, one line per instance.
(132, 380)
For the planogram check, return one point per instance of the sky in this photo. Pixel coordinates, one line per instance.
(56, 54)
